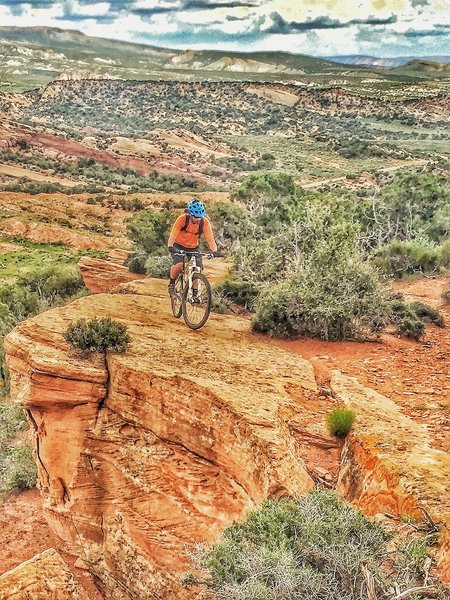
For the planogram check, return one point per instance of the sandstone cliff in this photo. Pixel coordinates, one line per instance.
(144, 452)
(389, 465)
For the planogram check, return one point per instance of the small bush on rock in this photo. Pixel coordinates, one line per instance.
(98, 335)
(340, 421)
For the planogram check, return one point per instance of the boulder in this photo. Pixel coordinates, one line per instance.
(44, 576)
(101, 276)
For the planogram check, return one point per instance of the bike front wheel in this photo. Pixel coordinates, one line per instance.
(197, 306)
(176, 298)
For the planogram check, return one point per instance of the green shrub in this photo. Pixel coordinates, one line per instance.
(446, 296)
(136, 262)
(271, 199)
(406, 258)
(12, 420)
(220, 303)
(407, 205)
(54, 283)
(98, 335)
(20, 472)
(158, 265)
(404, 318)
(332, 300)
(239, 290)
(262, 260)
(149, 230)
(340, 421)
(21, 301)
(231, 225)
(313, 548)
(427, 313)
(445, 253)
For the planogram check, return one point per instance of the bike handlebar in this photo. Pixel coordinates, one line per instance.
(194, 253)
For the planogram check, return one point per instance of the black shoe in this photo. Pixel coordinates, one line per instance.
(196, 299)
(171, 288)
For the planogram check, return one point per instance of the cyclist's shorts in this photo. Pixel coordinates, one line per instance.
(179, 259)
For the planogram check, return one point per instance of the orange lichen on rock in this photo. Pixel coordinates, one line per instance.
(45, 575)
(163, 446)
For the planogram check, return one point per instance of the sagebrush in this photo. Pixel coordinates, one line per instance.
(98, 335)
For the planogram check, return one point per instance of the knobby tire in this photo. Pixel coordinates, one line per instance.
(177, 307)
(206, 294)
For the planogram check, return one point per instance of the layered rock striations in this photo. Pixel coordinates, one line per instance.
(389, 465)
(144, 452)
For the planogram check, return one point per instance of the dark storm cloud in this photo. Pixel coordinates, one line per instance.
(438, 31)
(149, 12)
(280, 25)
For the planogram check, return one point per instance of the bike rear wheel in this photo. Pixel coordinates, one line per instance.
(176, 299)
(196, 313)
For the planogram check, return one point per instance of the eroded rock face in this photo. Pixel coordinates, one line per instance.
(389, 466)
(102, 276)
(165, 445)
(45, 575)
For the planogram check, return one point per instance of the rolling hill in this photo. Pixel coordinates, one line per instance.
(32, 57)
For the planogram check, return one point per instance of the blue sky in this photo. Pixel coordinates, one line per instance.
(315, 27)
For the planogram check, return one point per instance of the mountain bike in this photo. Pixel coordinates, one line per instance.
(192, 295)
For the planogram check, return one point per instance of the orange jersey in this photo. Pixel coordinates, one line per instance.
(190, 237)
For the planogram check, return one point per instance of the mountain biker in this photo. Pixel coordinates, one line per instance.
(185, 235)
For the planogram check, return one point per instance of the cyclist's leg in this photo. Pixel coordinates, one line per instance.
(175, 270)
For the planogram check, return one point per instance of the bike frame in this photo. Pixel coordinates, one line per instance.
(189, 270)
(190, 267)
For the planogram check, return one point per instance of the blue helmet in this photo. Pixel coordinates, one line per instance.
(196, 208)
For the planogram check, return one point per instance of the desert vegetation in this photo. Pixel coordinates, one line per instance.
(25, 296)
(315, 547)
(324, 260)
(88, 169)
(98, 335)
(319, 264)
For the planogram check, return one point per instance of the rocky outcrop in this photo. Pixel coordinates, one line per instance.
(141, 453)
(389, 466)
(101, 276)
(44, 576)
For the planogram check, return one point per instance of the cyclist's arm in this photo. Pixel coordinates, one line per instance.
(209, 235)
(176, 228)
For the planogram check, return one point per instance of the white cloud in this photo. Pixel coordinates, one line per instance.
(250, 28)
